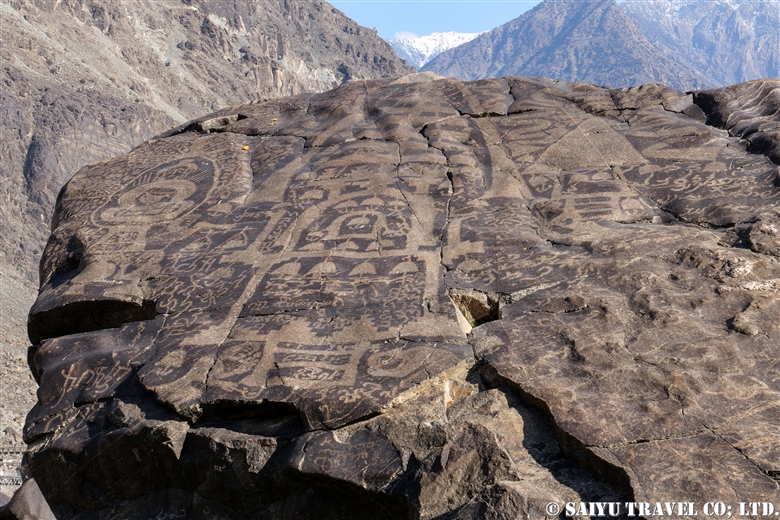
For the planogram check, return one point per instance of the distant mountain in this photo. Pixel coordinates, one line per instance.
(420, 50)
(571, 40)
(728, 41)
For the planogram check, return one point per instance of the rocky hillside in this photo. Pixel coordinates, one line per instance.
(84, 80)
(416, 299)
(728, 41)
(591, 41)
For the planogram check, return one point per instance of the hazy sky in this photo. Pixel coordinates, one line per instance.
(423, 17)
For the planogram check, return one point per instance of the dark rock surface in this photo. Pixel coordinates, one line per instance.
(417, 299)
(748, 112)
(27, 503)
(569, 40)
(86, 80)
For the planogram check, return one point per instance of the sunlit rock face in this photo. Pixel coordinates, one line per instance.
(418, 298)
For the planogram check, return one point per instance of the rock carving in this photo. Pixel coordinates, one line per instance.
(418, 298)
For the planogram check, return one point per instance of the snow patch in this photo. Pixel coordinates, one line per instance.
(419, 50)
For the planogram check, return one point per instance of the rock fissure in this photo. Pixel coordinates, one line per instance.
(80, 317)
(743, 120)
(216, 357)
(648, 440)
(572, 447)
(477, 307)
(765, 471)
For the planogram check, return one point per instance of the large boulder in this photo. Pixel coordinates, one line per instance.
(416, 298)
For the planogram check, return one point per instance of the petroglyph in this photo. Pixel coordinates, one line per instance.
(345, 290)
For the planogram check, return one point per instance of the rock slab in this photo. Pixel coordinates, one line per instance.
(108, 75)
(417, 298)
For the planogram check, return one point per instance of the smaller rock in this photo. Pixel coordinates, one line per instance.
(759, 317)
(764, 235)
(678, 104)
(26, 504)
(744, 325)
(12, 436)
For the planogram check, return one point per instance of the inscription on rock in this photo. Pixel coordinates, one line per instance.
(417, 298)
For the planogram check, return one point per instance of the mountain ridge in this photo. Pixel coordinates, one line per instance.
(729, 42)
(593, 42)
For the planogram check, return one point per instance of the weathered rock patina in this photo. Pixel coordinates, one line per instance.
(418, 298)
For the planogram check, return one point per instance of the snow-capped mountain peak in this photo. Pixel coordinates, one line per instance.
(419, 50)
